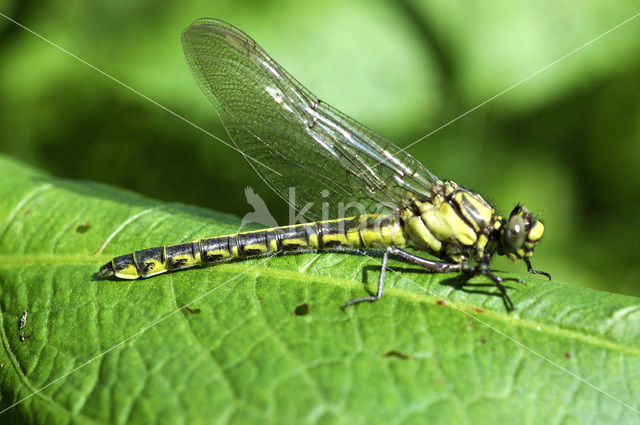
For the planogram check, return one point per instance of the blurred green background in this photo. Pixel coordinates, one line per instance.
(566, 142)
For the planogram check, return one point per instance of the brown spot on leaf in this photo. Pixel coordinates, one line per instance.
(193, 311)
(441, 302)
(567, 355)
(83, 228)
(301, 309)
(398, 354)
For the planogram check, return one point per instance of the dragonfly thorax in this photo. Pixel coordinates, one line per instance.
(457, 224)
(454, 223)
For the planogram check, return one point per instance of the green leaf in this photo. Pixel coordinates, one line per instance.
(264, 341)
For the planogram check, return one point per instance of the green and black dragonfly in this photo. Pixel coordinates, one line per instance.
(293, 139)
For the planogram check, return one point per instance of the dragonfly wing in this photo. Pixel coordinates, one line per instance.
(289, 137)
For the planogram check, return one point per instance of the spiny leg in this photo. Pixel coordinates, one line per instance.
(434, 266)
(531, 270)
(378, 295)
(471, 271)
(497, 280)
(437, 267)
(407, 257)
(484, 270)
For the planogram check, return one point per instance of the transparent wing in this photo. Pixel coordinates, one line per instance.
(290, 137)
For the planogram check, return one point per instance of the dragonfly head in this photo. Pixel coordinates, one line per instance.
(520, 234)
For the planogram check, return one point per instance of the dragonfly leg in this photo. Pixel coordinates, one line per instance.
(497, 281)
(407, 257)
(437, 267)
(434, 266)
(378, 295)
(531, 270)
(468, 269)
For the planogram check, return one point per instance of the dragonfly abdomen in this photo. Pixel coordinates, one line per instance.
(365, 231)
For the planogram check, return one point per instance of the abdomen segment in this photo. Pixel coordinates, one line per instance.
(366, 231)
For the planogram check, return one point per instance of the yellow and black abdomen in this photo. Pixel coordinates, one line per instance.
(365, 231)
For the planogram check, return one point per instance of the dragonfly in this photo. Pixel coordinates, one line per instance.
(292, 139)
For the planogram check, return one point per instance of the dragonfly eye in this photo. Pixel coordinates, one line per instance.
(514, 234)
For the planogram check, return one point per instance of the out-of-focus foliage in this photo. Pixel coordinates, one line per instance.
(566, 142)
